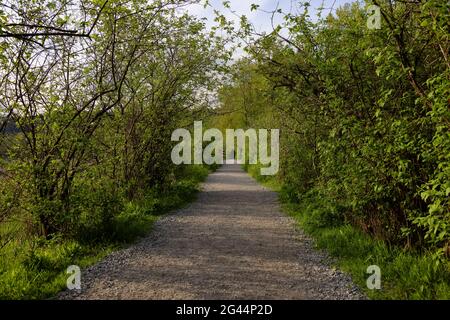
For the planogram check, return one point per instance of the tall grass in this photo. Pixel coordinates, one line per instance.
(35, 268)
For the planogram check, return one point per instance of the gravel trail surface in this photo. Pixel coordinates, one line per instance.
(233, 242)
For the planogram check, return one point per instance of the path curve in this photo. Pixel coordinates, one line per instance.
(233, 242)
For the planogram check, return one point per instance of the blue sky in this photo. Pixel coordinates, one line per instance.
(260, 20)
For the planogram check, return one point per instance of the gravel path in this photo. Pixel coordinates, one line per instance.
(233, 242)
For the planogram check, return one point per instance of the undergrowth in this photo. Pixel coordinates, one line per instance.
(405, 274)
(35, 268)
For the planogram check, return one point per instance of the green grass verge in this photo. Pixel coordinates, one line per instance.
(36, 268)
(404, 274)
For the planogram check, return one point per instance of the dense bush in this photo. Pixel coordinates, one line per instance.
(364, 116)
(35, 267)
(90, 92)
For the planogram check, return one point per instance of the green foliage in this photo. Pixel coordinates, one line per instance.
(363, 115)
(36, 268)
(437, 190)
(99, 133)
(405, 274)
(364, 119)
(85, 128)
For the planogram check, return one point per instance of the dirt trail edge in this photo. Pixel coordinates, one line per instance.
(233, 242)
